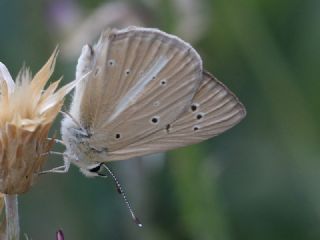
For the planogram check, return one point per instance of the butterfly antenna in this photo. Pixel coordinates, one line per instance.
(120, 191)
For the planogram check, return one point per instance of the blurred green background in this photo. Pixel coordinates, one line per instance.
(259, 180)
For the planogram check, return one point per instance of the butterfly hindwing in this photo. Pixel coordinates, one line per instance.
(214, 109)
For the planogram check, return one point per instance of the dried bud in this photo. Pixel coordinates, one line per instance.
(27, 111)
(59, 235)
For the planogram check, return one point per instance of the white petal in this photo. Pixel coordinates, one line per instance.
(5, 75)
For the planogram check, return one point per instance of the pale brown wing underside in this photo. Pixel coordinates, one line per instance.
(141, 80)
(214, 109)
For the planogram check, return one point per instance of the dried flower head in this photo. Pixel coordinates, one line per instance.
(27, 111)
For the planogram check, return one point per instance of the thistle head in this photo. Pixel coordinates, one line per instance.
(27, 111)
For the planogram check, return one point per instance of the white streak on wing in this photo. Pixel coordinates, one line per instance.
(138, 88)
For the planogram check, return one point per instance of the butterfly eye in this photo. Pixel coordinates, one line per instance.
(128, 71)
(163, 82)
(95, 169)
(111, 62)
(196, 128)
(155, 120)
(117, 136)
(199, 116)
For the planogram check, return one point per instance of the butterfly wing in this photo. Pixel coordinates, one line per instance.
(139, 81)
(214, 109)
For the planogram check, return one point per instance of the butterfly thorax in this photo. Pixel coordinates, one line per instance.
(80, 149)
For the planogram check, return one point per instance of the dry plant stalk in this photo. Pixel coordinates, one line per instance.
(27, 112)
(2, 218)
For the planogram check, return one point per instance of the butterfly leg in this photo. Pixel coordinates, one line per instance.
(53, 153)
(61, 169)
(56, 141)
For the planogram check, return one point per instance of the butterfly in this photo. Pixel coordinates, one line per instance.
(143, 91)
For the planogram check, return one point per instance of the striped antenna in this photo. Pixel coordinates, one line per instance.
(120, 191)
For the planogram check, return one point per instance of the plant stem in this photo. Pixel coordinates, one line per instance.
(12, 217)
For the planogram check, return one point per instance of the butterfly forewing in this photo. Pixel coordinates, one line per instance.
(141, 80)
(213, 110)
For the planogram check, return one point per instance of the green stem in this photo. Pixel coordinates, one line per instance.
(12, 217)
